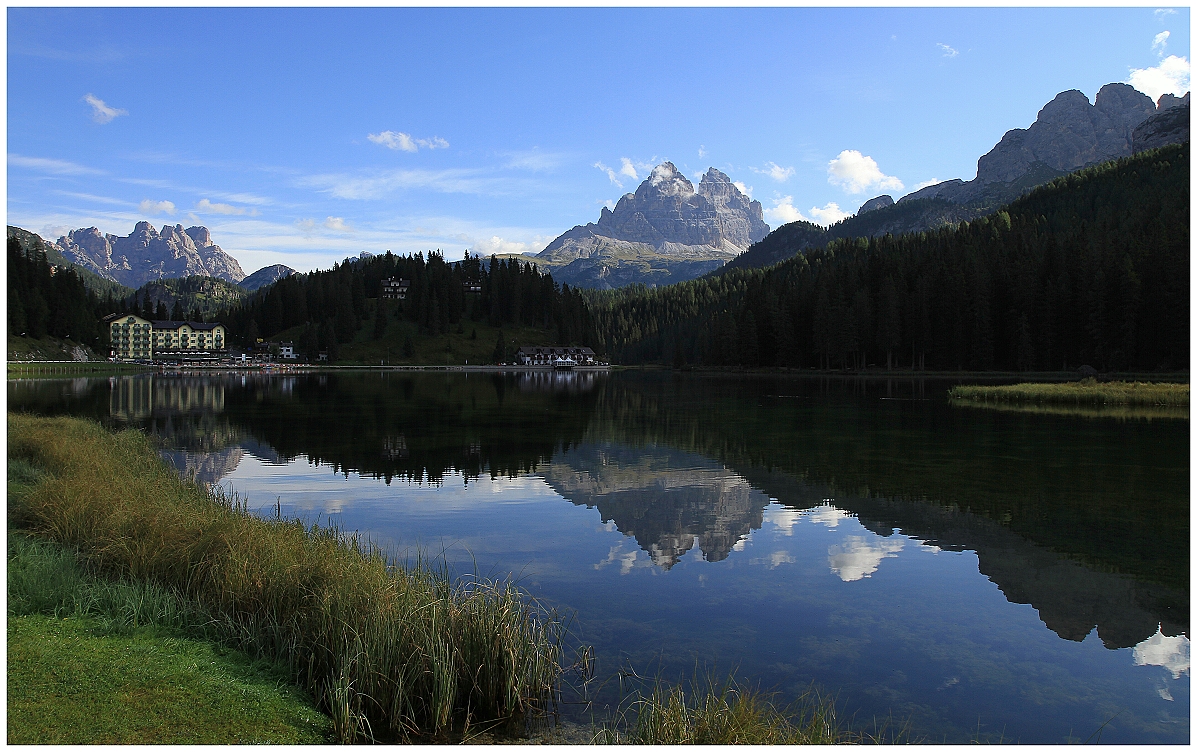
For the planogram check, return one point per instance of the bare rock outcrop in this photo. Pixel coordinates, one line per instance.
(147, 254)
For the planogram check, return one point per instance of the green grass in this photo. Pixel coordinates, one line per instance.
(388, 652)
(1085, 392)
(69, 683)
(96, 661)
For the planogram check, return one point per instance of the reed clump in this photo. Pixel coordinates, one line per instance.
(388, 652)
(1085, 392)
(725, 711)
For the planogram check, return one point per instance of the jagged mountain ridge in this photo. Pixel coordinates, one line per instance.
(1068, 134)
(666, 231)
(147, 254)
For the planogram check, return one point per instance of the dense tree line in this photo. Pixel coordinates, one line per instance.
(1092, 268)
(45, 299)
(333, 306)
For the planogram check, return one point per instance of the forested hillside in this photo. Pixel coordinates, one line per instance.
(332, 307)
(45, 300)
(1092, 268)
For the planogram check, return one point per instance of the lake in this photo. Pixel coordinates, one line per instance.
(982, 575)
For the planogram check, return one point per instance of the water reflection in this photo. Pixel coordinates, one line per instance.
(857, 557)
(783, 509)
(668, 501)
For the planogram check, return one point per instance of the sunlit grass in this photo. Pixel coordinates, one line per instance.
(1086, 392)
(389, 652)
(726, 711)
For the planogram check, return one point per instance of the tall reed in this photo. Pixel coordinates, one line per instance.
(712, 711)
(389, 652)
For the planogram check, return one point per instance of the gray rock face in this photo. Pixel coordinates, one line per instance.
(668, 215)
(146, 254)
(1169, 126)
(267, 275)
(1168, 101)
(875, 203)
(1069, 134)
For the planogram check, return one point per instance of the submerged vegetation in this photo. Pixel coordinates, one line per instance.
(1087, 392)
(388, 652)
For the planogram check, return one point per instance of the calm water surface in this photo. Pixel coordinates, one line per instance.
(986, 575)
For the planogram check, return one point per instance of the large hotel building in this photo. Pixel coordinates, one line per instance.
(135, 338)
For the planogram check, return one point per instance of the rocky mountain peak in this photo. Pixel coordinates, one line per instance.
(666, 180)
(147, 254)
(200, 236)
(1168, 101)
(875, 203)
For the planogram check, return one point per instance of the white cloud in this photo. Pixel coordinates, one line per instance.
(926, 184)
(1161, 41)
(627, 168)
(1161, 12)
(306, 226)
(856, 173)
(496, 244)
(947, 51)
(702, 152)
(52, 166)
(100, 112)
(397, 141)
(827, 514)
(1160, 650)
(829, 214)
(53, 232)
(783, 212)
(775, 171)
(152, 208)
(857, 558)
(204, 206)
(783, 518)
(338, 224)
(1171, 76)
(745, 189)
(610, 174)
(534, 160)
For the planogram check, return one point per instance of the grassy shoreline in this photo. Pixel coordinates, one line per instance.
(1087, 392)
(388, 653)
(385, 653)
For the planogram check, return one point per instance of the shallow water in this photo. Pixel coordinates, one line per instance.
(985, 575)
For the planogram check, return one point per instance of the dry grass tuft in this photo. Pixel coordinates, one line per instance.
(389, 652)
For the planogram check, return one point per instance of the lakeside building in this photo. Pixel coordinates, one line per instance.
(135, 338)
(551, 356)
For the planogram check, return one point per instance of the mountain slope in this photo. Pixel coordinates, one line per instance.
(101, 284)
(1092, 268)
(1068, 134)
(267, 275)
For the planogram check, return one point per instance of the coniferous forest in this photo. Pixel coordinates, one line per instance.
(51, 300)
(1091, 269)
(333, 306)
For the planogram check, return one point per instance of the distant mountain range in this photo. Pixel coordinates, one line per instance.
(1068, 134)
(147, 254)
(664, 232)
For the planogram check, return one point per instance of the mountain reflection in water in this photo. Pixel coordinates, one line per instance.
(1085, 520)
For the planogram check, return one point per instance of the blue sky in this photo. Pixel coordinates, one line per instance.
(302, 136)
